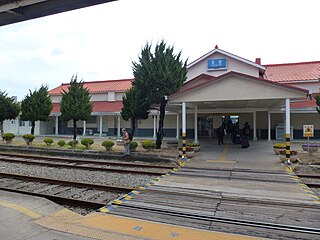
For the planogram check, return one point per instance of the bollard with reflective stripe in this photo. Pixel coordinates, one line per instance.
(184, 146)
(288, 149)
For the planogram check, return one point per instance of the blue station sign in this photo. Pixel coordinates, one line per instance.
(217, 64)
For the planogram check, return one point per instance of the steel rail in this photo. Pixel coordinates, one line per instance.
(248, 223)
(105, 162)
(67, 183)
(53, 164)
(60, 200)
(309, 175)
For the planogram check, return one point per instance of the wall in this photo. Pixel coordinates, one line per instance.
(232, 65)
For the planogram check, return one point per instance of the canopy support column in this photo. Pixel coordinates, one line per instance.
(184, 132)
(288, 162)
(178, 132)
(100, 126)
(196, 124)
(57, 125)
(254, 126)
(269, 126)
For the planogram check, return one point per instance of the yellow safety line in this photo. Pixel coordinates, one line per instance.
(223, 156)
(152, 230)
(21, 209)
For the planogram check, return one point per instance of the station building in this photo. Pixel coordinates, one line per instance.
(221, 87)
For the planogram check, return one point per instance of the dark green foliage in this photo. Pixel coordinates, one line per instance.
(28, 138)
(108, 145)
(8, 137)
(318, 103)
(75, 104)
(9, 109)
(36, 106)
(87, 142)
(61, 143)
(73, 143)
(149, 145)
(133, 146)
(48, 141)
(135, 107)
(157, 75)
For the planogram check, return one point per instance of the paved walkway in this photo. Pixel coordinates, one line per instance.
(25, 217)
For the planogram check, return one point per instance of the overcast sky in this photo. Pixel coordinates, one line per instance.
(100, 42)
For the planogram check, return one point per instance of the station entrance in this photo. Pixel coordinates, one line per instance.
(208, 123)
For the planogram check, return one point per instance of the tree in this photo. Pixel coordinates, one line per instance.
(9, 108)
(135, 107)
(158, 75)
(36, 106)
(75, 104)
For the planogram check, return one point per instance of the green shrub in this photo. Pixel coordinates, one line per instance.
(61, 143)
(73, 143)
(28, 138)
(149, 145)
(48, 141)
(133, 146)
(87, 142)
(194, 144)
(108, 145)
(8, 137)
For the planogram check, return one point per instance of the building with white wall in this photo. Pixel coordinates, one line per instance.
(219, 86)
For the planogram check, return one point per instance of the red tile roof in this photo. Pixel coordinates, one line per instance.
(98, 86)
(196, 81)
(97, 107)
(305, 104)
(213, 79)
(289, 72)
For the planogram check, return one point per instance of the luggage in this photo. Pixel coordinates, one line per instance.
(245, 142)
(237, 140)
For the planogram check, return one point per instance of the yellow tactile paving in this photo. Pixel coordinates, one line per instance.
(223, 156)
(151, 230)
(21, 209)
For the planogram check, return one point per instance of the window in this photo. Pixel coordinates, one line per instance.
(21, 123)
(92, 119)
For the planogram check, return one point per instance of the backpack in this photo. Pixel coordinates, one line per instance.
(130, 136)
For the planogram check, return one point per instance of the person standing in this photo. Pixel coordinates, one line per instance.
(246, 133)
(220, 133)
(126, 141)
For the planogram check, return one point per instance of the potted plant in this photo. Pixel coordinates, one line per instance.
(149, 145)
(293, 155)
(195, 146)
(277, 147)
(189, 152)
(313, 147)
(172, 144)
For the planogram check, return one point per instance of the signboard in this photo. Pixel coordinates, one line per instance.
(308, 131)
(217, 64)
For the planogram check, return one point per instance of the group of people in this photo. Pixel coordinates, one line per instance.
(237, 136)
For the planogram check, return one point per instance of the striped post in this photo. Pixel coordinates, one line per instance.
(288, 162)
(288, 149)
(184, 146)
(184, 132)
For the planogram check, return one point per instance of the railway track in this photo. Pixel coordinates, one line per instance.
(311, 180)
(94, 165)
(71, 193)
(208, 210)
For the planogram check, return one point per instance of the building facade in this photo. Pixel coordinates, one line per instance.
(220, 88)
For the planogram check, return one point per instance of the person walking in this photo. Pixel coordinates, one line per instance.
(220, 133)
(126, 141)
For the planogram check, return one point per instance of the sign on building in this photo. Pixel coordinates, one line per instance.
(217, 64)
(308, 131)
